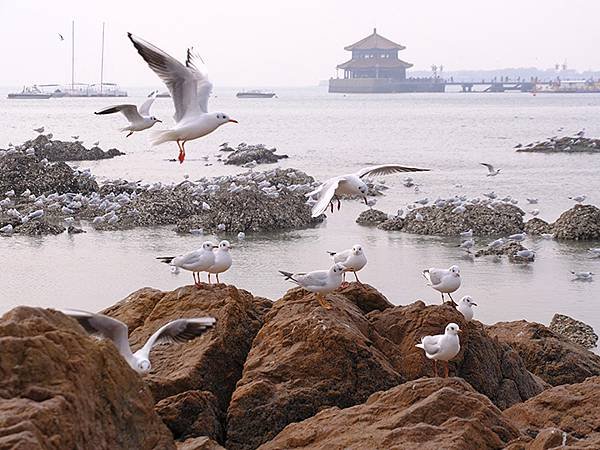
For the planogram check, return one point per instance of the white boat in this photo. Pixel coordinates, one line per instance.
(29, 92)
(255, 94)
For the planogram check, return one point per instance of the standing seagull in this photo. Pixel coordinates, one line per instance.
(180, 330)
(139, 119)
(319, 281)
(350, 184)
(445, 281)
(223, 260)
(442, 347)
(491, 171)
(197, 261)
(353, 259)
(190, 88)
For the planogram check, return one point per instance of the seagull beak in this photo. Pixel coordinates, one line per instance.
(158, 120)
(233, 120)
(460, 331)
(473, 304)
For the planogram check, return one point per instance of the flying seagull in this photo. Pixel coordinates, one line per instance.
(190, 88)
(350, 184)
(139, 119)
(491, 171)
(60, 36)
(180, 330)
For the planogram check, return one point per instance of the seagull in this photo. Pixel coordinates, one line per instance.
(190, 88)
(442, 347)
(351, 184)
(139, 118)
(60, 36)
(534, 212)
(180, 330)
(491, 171)
(518, 237)
(496, 243)
(467, 245)
(96, 144)
(467, 234)
(75, 137)
(584, 276)
(196, 261)
(353, 259)
(532, 201)
(578, 199)
(319, 281)
(465, 307)
(594, 251)
(526, 254)
(223, 260)
(444, 281)
(39, 130)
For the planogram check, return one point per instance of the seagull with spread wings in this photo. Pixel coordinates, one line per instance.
(492, 172)
(180, 330)
(351, 184)
(139, 119)
(190, 88)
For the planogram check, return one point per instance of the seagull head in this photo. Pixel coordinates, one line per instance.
(208, 246)
(453, 329)
(223, 118)
(224, 246)
(337, 268)
(468, 300)
(143, 365)
(455, 270)
(357, 249)
(154, 119)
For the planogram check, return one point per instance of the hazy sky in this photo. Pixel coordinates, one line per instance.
(278, 42)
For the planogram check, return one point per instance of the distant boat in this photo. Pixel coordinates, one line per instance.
(32, 92)
(164, 95)
(255, 94)
(88, 90)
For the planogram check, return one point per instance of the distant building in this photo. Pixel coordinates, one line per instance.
(375, 67)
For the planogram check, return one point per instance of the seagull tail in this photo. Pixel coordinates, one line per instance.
(287, 275)
(166, 259)
(420, 346)
(426, 275)
(332, 253)
(162, 136)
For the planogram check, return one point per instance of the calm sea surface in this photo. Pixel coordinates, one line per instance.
(324, 135)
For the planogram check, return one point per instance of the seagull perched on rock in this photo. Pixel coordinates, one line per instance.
(353, 259)
(442, 347)
(319, 281)
(196, 261)
(491, 171)
(39, 130)
(444, 281)
(180, 330)
(465, 307)
(139, 118)
(349, 185)
(190, 88)
(223, 260)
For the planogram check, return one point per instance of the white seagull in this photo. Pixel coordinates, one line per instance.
(223, 260)
(445, 281)
(585, 276)
(491, 171)
(442, 347)
(353, 259)
(196, 261)
(319, 281)
(190, 88)
(351, 184)
(465, 307)
(139, 118)
(180, 330)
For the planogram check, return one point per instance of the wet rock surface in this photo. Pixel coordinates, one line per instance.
(483, 220)
(582, 222)
(55, 150)
(574, 331)
(564, 144)
(371, 217)
(509, 248)
(536, 226)
(258, 153)
(62, 389)
(547, 354)
(425, 413)
(393, 224)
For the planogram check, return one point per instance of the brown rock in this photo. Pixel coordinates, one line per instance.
(305, 358)
(366, 297)
(547, 354)
(574, 409)
(491, 367)
(582, 222)
(61, 389)
(574, 331)
(191, 414)
(199, 443)
(423, 414)
(537, 226)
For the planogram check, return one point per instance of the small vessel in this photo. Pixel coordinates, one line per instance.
(32, 92)
(255, 94)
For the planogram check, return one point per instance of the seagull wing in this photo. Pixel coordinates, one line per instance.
(129, 111)
(188, 85)
(317, 278)
(145, 108)
(431, 344)
(386, 169)
(434, 275)
(180, 330)
(104, 326)
(326, 194)
(490, 168)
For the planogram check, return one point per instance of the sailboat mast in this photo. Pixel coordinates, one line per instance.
(72, 55)
(102, 61)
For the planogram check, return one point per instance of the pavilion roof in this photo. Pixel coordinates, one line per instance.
(371, 63)
(375, 42)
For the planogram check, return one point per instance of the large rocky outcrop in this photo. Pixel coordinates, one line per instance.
(547, 354)
(425, 414)
(572, 409)
(492, 368)
(483, 220)
(305, 358)
(61, 389)
(55, 150)
(574, 330)
(582, 222)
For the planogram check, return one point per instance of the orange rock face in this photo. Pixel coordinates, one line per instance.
(61, 389)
